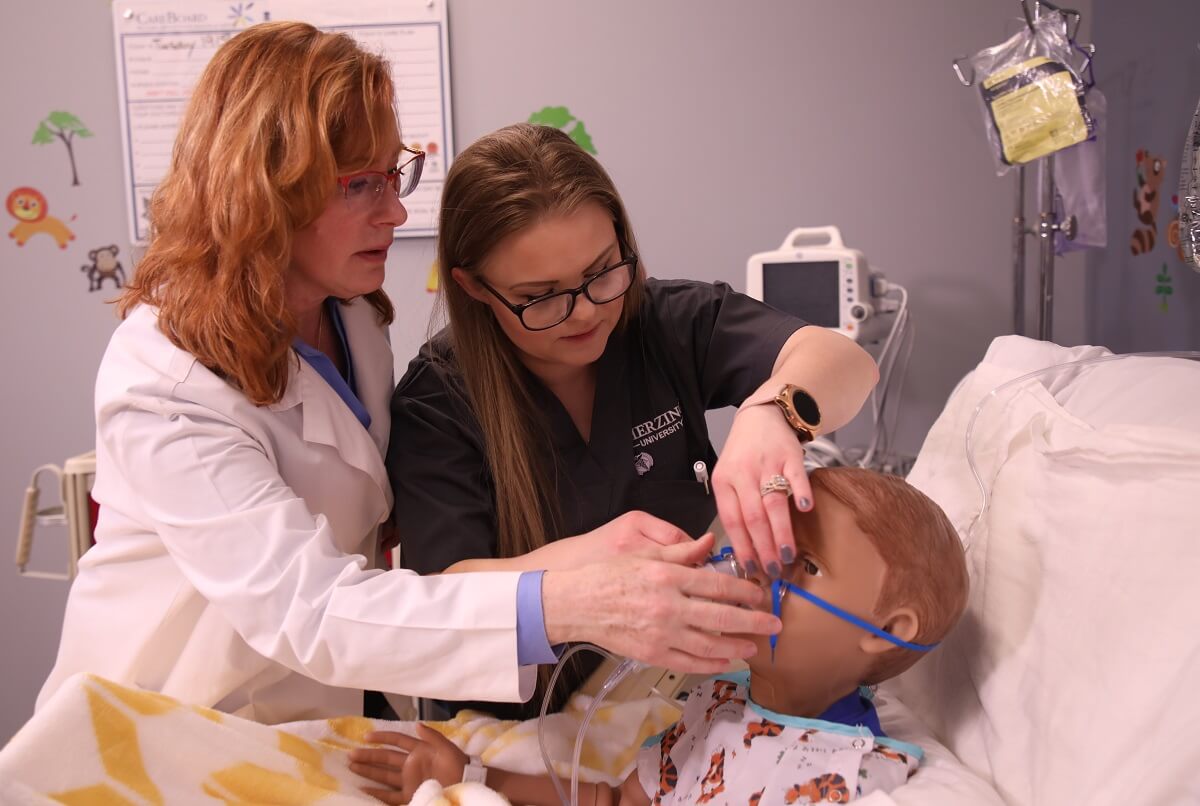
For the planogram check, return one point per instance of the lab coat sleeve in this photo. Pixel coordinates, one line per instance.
(444, 501)
(253, 549)
(729, 340)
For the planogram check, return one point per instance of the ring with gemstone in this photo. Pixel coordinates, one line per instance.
(776, 484)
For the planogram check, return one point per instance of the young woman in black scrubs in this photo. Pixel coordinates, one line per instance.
(568, 392)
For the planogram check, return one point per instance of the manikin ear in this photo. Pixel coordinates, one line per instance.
(901, 622)
(467, 283)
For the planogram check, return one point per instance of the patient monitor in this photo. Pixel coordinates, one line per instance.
(813, 276)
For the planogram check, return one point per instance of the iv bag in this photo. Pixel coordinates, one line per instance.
(1032, 97)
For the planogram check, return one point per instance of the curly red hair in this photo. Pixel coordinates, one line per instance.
(279, 112)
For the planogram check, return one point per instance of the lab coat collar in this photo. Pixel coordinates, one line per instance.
(371, 351)
(327, 420)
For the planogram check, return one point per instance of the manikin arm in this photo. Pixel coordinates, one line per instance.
(416, 760)
(839, 375)
(832, 368)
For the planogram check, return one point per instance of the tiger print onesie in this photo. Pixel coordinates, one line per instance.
(727, 749)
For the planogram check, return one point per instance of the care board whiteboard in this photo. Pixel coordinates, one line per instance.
(163, 46)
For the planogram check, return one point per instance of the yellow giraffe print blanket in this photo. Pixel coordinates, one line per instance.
(97, 742)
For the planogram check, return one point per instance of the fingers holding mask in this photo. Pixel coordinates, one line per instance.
(715, 615)
(652, 611)
(788, 490)
(760, 478)
(748, 523)
(730, 511)
(766, 540)
(691, 552)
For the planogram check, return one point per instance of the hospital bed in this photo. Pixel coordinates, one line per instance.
(1072, 477)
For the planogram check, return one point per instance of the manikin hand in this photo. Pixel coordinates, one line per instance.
(414, 761)
(403, 770)
(760, 445)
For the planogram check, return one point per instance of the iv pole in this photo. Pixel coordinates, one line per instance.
(1047, 227)
(1018, 236)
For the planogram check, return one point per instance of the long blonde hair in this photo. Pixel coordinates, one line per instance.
(279, 111)
(500, 185)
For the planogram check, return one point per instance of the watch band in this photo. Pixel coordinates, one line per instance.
(475, 772)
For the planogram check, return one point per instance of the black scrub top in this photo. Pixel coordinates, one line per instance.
(692, 347)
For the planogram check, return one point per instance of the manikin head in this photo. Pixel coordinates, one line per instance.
(881, 550)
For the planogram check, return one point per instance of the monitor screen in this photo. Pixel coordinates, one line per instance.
(806, 290)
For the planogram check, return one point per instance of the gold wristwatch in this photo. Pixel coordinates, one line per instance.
(800, 410)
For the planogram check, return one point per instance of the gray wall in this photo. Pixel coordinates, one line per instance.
(724, 125)
(1151, 74)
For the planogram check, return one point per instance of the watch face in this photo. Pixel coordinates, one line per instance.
(806, 407)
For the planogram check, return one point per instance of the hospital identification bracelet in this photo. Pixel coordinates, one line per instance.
(474, 772)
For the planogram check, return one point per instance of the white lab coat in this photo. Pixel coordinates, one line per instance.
(234, 545)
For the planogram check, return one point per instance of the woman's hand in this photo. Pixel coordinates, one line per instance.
(634, 534)
(761, 445)
(660, 612)
(415, 761)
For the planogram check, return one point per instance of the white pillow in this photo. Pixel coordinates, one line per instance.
(1070, 677)
(1162, 392)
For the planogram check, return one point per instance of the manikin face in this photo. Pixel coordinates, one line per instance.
(556, 253)
(342, 253)
(837, 562)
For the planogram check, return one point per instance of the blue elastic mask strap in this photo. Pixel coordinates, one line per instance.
(777, 590)
(726, 556)
(722, 556)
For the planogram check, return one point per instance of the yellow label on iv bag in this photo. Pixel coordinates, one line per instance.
(1035, 108)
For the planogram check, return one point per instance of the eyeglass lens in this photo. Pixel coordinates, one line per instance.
(604, 287)
(366, 187)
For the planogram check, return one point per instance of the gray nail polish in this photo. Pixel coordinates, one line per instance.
(773, 569)
(787, 554)
(803, 503)
(751, 568)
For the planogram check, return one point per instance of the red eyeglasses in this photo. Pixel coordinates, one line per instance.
(366, 187)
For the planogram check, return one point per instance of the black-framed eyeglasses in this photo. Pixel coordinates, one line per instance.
(366, 187)
(543, 313)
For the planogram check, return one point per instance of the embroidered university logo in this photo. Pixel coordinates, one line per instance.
(660, 427)
(642, 463)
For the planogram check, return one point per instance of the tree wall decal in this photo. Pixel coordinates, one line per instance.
(65, 127)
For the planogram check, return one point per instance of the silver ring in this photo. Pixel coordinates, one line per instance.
(776, 484)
